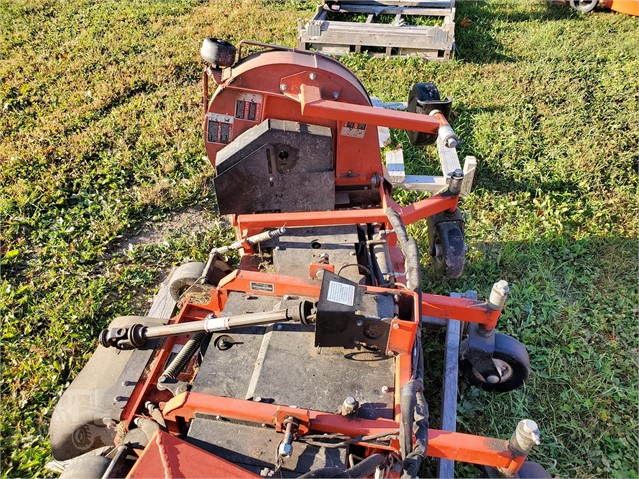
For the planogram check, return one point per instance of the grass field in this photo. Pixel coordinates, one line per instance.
(100, 143)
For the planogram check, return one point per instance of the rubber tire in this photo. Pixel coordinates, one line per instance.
(88, 467)
(217, 52)
(421, 92)
(184, 277)
(510, 351)
(576, 4)
(533, 470)
(447, 250)
(528, 470)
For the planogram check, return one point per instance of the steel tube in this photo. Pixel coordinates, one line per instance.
(215, 324)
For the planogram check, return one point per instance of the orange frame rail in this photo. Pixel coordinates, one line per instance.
(441, 444)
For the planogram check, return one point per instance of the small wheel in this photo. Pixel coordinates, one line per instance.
(533, 470)
(216, 52)
(510, 358)
(447, 249)
(584, 6)
(528, 470)
(184, 277)
(421, 92)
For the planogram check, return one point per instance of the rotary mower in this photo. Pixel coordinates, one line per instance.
(306, 360)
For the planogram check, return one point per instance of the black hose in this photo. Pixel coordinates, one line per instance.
(366, 467)
(322, 472)
(412, 400)
(184, 356)
(360, 470)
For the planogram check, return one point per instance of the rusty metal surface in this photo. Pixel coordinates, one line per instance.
(281, 365)
(302, 246)
(278, 165)
(255, 448)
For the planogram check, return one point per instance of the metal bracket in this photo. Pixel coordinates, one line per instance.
(479, 348)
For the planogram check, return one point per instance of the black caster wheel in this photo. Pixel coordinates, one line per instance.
(218, 53)
(447, 247)
(424, 98)
(419, 94)
(528, 470)
(511, 360)
(584, 6)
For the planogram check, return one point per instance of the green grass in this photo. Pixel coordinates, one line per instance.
(100, 135)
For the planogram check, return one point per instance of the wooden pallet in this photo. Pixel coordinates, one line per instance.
(324, 34)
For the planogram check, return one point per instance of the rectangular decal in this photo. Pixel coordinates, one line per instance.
(219, 128)
(265, 287)
(341, 293)
(354, 130)
(248, 106)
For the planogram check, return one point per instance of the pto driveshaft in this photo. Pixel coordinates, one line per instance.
(138, 334)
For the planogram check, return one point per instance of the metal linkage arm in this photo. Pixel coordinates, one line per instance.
(313, 104)
(138, 334)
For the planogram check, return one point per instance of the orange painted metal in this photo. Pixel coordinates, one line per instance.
(167, 456)
(313, 104)
(315, 268)
(402, 336)
(630, 7)
(410, 214)
(357, 158)
(462, 309)
(185, 406)
(442, 444)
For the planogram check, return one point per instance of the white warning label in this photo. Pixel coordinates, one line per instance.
(341, 293)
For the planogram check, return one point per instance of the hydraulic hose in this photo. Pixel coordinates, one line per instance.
(361, 470)
(412, 400)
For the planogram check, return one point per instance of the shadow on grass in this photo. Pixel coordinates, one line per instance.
(479, 41)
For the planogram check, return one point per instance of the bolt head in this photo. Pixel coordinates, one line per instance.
(350, 401)
(283, 86)
(529, 426)
(313, 76)
(385, 389)
(492, 379)
(395, 326)
(336, 95)
(502, 286)
(451, 143)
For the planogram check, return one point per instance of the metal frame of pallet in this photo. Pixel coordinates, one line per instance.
(341, 37)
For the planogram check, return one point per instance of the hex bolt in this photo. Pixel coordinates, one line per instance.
(526, 436)
(349, 406)
(313, 76)
(324, 258)
(286, 446)
(498, 295)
